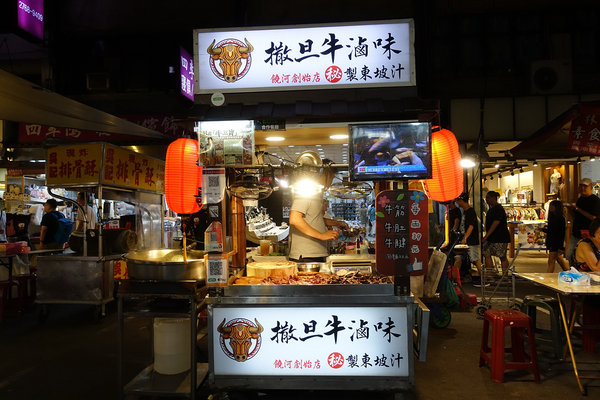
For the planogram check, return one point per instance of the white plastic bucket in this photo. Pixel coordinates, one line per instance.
(172, 348)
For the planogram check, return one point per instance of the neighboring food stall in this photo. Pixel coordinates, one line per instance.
(112, 174)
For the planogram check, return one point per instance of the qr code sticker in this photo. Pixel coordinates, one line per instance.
(215, 267)
(213, 181)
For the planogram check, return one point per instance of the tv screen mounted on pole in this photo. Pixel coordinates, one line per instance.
(390, 151)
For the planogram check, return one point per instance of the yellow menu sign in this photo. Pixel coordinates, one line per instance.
(73, 164)
(103, 163)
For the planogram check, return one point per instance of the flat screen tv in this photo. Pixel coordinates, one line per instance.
(391, 151)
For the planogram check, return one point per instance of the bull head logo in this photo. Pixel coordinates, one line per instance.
(240, 333)
(230, 53)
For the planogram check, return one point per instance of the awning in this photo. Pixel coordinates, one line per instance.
(23, 101)
(549, 142)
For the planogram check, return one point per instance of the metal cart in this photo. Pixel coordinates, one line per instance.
(150, 299)
(86, 278)
(497, 287)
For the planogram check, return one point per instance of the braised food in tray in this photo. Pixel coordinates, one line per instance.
(316, 278)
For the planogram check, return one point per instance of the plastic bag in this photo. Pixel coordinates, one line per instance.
(574, 277)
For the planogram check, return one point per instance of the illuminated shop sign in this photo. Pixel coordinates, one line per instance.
(325, 341)
(30, 17)
(313, 57)
(187, 73)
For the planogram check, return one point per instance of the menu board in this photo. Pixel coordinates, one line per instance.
(95, 163)
(402, 232)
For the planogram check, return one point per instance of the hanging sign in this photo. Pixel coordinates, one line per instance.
(311, 341)
(584, 136)
(36, 133)
(312, 57)
(95, 163)
(402, 232)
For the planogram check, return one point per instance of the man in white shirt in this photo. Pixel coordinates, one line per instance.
(91, 215)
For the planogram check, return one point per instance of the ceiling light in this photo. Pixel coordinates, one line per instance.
(467, 163)
(291, 145)
(535, 163)
(275, 139)
(318, 145)
(578, 160)
(297, 153)
(592, 158)
(336, 137)
(344, 144)
(496, 165)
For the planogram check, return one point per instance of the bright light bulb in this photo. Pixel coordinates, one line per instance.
(307, 187)
(467, 163)
(275, 139)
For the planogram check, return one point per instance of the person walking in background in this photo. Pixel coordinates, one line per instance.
(470, 229)
(555, 236)
(497, 236)
(49, 226)
(585, 210)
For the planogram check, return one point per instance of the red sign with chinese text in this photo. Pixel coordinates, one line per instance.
(402, 232)
(34, 133)
(584, 135)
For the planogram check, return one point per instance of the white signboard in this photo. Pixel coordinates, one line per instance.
(312, 57)
(324, 341)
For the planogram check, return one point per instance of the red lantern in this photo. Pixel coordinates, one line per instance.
(447, 174)
(183, 176)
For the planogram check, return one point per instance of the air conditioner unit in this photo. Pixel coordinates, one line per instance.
(551, 76)
(97, 81)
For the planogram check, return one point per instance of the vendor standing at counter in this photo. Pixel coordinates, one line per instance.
(308, 229)
(90, 214)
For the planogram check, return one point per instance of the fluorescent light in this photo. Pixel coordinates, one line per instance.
(275, 139)
(318, 145)
(291, 145)
(336, 137)
(496, 165)
(344, 144)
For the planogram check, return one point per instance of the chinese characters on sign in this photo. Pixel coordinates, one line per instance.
(83, 163)
(35, 133)
(187, 73)
(318, 57)
(584, 135)
(402, 231)
(329, 341)
(127, 168)
(233, 142)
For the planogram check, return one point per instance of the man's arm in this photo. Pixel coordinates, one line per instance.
(297, 221)
(42, 235)
(467, 234)
(492, 229)
(333, 222)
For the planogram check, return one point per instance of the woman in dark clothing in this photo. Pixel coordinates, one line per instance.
(587, 255)
(555, 236)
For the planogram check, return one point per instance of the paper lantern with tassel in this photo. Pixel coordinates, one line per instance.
(183, 176)
(447, 174)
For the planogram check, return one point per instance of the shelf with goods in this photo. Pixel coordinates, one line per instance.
(526, 222)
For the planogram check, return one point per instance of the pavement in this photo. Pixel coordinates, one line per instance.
(71, 354)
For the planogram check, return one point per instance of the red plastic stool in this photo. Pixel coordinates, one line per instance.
(494, 356)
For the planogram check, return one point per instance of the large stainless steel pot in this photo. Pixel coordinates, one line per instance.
(311, 266)
(165, 265)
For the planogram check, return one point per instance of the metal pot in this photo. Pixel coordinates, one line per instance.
(310, 266)
(165, 265)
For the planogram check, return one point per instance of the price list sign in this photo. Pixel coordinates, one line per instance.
(402, 232)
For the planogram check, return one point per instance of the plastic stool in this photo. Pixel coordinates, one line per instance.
(530, 305)
(494, 356)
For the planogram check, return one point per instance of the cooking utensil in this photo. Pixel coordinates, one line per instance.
(165, 265)
(310, 266)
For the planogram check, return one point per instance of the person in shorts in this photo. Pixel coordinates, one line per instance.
(470, 229)
(497, 236)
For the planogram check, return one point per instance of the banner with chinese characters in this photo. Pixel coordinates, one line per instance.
(366, 54)
(402, 232)
(133, 170)
(584, 135)
(74, 164)
(313, 341)
(35, 133)
(96, 163)
(186, 71)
